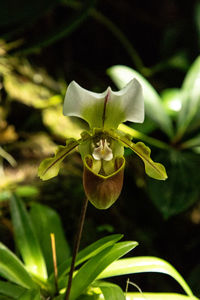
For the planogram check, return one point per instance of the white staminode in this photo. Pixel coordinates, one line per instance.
(103, 151)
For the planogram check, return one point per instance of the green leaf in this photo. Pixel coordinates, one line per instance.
(181, 190)
(121, 75)
(12, 268)
(152, 169)
(191, 100)
(10, 289)
(144, 264)
(89, 252)
(91, 269)
(26, 239)
(31, 295)
(110, 291)
(46, 221)
(158, 296)
(50, 167)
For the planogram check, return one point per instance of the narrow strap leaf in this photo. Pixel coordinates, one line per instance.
(50, 167)
(11, 289)
(159, 296)
(12, 269)
(26, 239)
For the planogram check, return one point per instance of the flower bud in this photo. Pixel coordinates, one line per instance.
(102, 191)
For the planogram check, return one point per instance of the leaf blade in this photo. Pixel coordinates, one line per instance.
(90, 270)
(26, 239)
(12, 268)
(159, 296)
(49, 223)
(110, 291)
(89, 252)
(144, 264)
(10, 289)
(121, 75)
(191, 98)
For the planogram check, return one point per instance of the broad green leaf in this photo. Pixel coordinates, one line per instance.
(144, 264)
(121, 75)
(12, 268)
(92, 268)
(46, 221)
(89, 252)
(31, 295)
(110, 291)
(152, 169)
(191, 100)
(158, 296)
(181, 190)
(26, 239)
(10, 289)
(50, 166)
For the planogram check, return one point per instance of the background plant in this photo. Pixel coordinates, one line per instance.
(42, 275)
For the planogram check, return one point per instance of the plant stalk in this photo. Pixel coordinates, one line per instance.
(76, 247)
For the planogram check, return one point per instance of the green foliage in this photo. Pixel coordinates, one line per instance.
(99, 260)
(121, 75)
(181, 107)
(49, 222)
(26, 239)
(12, 269)
(31, 120)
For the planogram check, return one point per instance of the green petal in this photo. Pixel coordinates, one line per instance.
(50, 167)
(107, 109)
(152, 169)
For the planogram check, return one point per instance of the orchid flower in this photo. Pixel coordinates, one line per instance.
(102, 147)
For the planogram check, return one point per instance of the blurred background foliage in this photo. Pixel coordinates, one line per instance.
(46, 44)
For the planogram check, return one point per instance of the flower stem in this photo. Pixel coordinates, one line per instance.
(76, 247)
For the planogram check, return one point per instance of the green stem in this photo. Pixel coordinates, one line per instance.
(76, 247)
